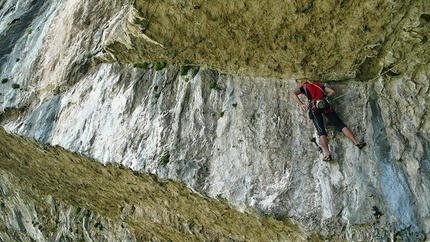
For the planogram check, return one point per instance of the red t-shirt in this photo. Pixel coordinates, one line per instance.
(314, 90)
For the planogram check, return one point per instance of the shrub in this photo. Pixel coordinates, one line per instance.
(78, 210)
(184, 70)
(4, 80)
(195, 71)
(213, 85)
(89, 55)
(1, 204)
(221, 114)
(159, 66)
(143, 65)
(234, 105)
(15, 85)
(165, 158)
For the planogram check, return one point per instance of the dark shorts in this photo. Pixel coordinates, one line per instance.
(332, 117)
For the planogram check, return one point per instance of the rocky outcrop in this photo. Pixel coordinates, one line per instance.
(229, 129)
(49, 194)
(296, 39)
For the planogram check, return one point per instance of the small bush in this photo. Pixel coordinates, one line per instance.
(78, 210)
(195, 71)
(159, 66)
(4, 80)
(29, 30)
(184, 70)
(156, 94)
(234, 105)
(17, 59)
(15, 85)
(89, 55)
(143, 65)
(221, 114)
(187, 80)
(1, 204)
(213, 85)
(165, 158)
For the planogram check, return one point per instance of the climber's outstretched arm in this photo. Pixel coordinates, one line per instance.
(329, 92)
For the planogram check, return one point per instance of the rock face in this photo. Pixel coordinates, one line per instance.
(229, 129)
(66, 197)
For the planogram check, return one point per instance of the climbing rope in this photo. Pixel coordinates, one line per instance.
(383, 73)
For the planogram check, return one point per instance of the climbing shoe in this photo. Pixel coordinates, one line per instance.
(361, 145)
(327, 158)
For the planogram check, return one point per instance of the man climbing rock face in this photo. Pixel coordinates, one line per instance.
(317, 95)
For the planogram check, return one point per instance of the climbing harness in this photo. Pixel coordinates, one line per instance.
(318, 105)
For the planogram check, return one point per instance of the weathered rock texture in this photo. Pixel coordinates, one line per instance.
(66, 197)
(283, 39)
(231, 129)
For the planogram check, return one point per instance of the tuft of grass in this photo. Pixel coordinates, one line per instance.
(15, 85)
(155, 92)
(165, 159)
(143, 65)
(184, 70)
(159, 66)
(4, 80)
(98, 225)
(78, 210)
(213, 85)
(29, 30)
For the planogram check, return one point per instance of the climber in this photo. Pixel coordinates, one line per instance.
(318, 104)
